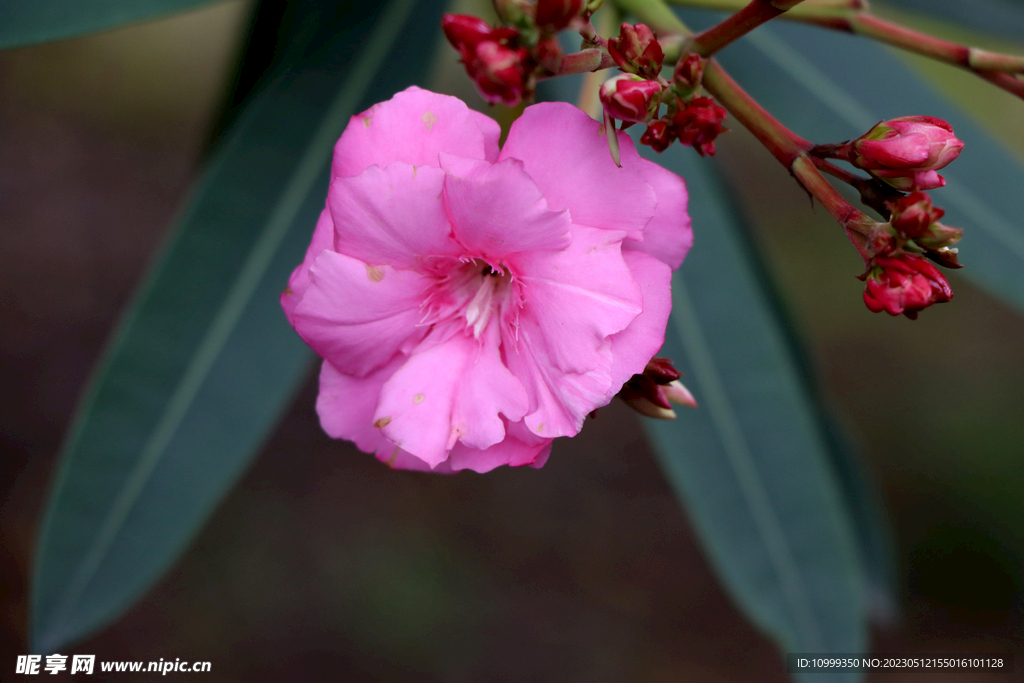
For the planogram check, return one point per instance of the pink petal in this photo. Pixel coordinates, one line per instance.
(669, 235)
(559, 401)
(578, 297)
(486, 389)
(358, 316)
(415, 407)
(346, 405)
(323, 238)
(413, 127)
(637, 344)
(905, 151)
(392, 215)
(511, 451)
(497, 209)
(566, 154)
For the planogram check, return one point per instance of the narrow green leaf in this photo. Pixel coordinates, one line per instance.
(41, 21)
(829, 87)
(204, 362)
(752, 464)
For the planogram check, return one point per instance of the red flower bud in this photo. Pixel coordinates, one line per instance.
(906, 152)
(498, 68)
(500, 73)
(653, 392)
(904, 283)
(698, 124)
(554, 15)
(630, 98)
(688, 74)
(464, 31)
(637, 51)
(913, 215)
(657, 136)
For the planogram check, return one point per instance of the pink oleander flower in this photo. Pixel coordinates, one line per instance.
(904, 283)
(631, 98)
(472, 304)
(906, 152)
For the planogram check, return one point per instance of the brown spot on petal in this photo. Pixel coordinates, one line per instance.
(374, 273)
(382, 423)
(428, 119)
(418, 398)
(288, 291)
(367, 120)
(540, 428)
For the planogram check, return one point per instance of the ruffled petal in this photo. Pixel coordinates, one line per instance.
(559, 401)
(486, 390)
(637, 344)
(346, 405)
(358, 316)
(413, 127)
(669, 234)
(392, 215)
(323, 238)
(511, 452)
(578, 297)
(566, 154)
(497, 209)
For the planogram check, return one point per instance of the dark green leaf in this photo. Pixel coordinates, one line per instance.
(752, 464)
(204, 361)
(40, 21)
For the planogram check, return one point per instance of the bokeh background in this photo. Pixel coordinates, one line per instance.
(324, 565)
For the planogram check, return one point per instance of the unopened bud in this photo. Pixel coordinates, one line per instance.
(906, 152)
(687, 76)
(658, 136)
(631, 98)
(913, 215)
(637, 51)
(554, 15)
(464, 31)
(904, 283)
(698, 124)
(653, 392)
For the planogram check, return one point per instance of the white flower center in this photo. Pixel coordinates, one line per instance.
(472, 290)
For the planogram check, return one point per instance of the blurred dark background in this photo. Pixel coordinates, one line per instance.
(323, 564)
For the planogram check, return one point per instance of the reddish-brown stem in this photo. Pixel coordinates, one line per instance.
(852, 16)
(737, 25)
(874, 194)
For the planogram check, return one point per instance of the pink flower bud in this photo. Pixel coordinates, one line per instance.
(631, 98)
(637, 50)
(554, 15)
(658, 136)
(698, 124)
(906, 152)
(904, 283)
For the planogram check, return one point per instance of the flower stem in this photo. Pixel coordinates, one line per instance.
(853, 16)
(737, 25)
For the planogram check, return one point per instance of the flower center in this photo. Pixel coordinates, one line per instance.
(473, 291)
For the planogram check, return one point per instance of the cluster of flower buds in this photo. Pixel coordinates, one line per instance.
(637, 96)
(653, 392)
(905, 153)
(904, 283)
(505, 61)
(899, 279)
